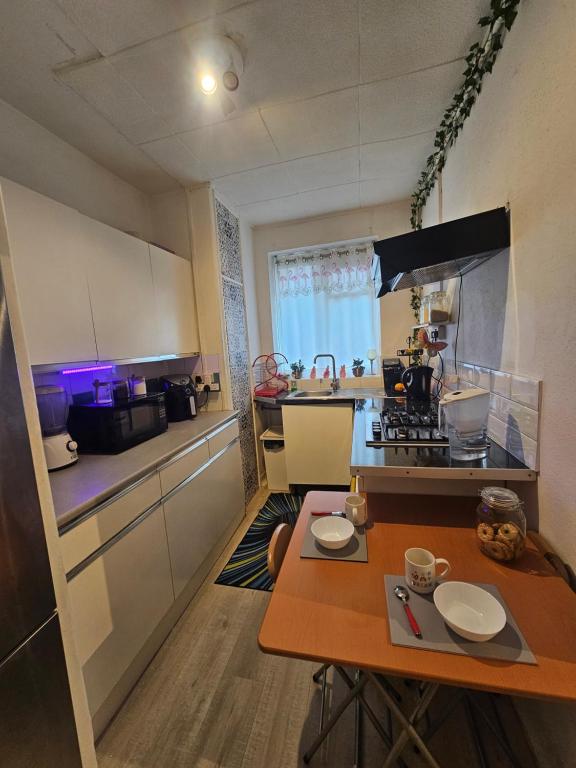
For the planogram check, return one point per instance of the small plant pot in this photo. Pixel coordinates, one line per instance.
(297, 374)
(358, 372)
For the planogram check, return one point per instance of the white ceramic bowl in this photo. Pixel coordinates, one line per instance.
(470, 611)
(332, 532)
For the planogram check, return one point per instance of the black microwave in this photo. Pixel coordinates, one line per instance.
(115, 427)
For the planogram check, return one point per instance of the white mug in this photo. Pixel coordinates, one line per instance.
(420, 569)
(356, 510)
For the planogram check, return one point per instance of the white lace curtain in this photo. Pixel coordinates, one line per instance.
(324, 301)
(344, 269)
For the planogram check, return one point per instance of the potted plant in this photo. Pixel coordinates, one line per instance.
(297, 369)
(358, 367)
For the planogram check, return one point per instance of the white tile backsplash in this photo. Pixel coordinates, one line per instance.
(482, 377)
(514, 407)
(524, 448)
(525, 391)
(500, 383)
(517, 416)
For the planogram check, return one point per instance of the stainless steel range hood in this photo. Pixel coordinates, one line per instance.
(440, 252)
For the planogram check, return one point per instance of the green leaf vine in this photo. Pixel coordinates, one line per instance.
(479, 61)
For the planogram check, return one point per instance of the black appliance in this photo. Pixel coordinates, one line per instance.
(37, 726)
(404, 423)
(181, 397)
(115, 427)
(438, 253)
(392, 370)
(417, 381)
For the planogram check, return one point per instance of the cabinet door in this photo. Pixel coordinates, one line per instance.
(318, 443)
(48, 258)
(175, 305)
(198, 514)
(118, 600)
(121, 291)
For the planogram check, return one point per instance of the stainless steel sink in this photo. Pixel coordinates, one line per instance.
(318, 395)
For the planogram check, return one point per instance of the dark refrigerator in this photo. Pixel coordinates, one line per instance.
(37, 728)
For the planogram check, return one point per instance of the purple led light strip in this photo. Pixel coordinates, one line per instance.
(68, 371)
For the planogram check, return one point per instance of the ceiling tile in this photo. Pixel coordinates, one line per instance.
(236, 145)
(407, 105)
(304, 205)
(387, 189)
(99, 84)
(113, 25)
(176, 159)
(315, 125)
(326, 170)
(257, 185)
(397, 38)
(389, 158)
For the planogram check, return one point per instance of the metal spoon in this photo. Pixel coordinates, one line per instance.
(403, 594)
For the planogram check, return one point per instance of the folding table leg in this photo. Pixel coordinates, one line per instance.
(408, 729)
(357, 726)
(351, 695)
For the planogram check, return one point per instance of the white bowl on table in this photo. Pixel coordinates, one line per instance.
(472, 612)
(332, 532)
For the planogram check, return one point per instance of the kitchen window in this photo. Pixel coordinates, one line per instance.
(323, 300)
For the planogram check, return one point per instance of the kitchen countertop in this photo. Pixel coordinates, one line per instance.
(96, 478)
(344, 393)
(430, 463)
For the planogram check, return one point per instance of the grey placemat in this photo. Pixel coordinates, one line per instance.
(356, 549)
(508, 645)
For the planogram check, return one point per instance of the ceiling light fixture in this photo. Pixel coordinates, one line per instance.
(208, 84)
(217, 59)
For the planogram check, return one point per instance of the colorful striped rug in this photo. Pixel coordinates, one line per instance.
(248, 565)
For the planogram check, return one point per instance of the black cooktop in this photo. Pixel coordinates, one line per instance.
(404, 422)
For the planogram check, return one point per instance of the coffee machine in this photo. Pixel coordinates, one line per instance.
(417, 381)
(59, 448)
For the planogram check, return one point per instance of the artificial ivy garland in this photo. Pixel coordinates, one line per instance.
(480, 60)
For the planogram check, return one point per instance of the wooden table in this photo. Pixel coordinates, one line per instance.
(335, 612)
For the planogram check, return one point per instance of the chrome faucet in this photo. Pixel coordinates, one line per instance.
(335, 383)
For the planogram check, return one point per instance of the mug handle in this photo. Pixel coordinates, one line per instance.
(446, 570)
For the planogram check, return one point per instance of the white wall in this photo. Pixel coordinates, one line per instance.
(169, 222)
(518, 146)
(380, 221)
(32, 156)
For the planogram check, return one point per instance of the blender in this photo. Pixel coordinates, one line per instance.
(463, 418)
(59, 448)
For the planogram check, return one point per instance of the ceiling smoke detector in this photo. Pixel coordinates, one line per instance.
(230, 80)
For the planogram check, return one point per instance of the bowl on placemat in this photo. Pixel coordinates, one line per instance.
(332, 532)
(472, 612)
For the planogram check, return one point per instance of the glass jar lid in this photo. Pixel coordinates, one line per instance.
(500, 498)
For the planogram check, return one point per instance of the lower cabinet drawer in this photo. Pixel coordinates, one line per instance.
(223, 437)
(181, 467)
(198, 513)
(117, 601)
(86, 537)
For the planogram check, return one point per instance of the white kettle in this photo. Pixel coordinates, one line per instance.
(463, 418)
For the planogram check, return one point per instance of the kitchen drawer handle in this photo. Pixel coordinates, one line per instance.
(83, 564)
(199, 471)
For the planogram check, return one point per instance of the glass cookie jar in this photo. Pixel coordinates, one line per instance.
(500, 524)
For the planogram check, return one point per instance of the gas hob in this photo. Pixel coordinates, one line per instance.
(404, 423)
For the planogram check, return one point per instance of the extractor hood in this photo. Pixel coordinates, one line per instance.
(440, 252)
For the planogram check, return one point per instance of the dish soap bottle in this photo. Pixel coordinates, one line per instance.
(342, 371)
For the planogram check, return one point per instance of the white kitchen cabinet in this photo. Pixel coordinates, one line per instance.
(118, 600)
(121, 291)
(176, 326)
(48, 257)
(199, 511)
(318, 443)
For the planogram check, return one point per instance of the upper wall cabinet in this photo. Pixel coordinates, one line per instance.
(121, 291)
(47, 253)
(176, 327)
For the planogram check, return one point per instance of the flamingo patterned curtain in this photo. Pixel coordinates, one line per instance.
(337, 270)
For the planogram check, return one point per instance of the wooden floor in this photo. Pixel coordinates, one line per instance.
(211, 698)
